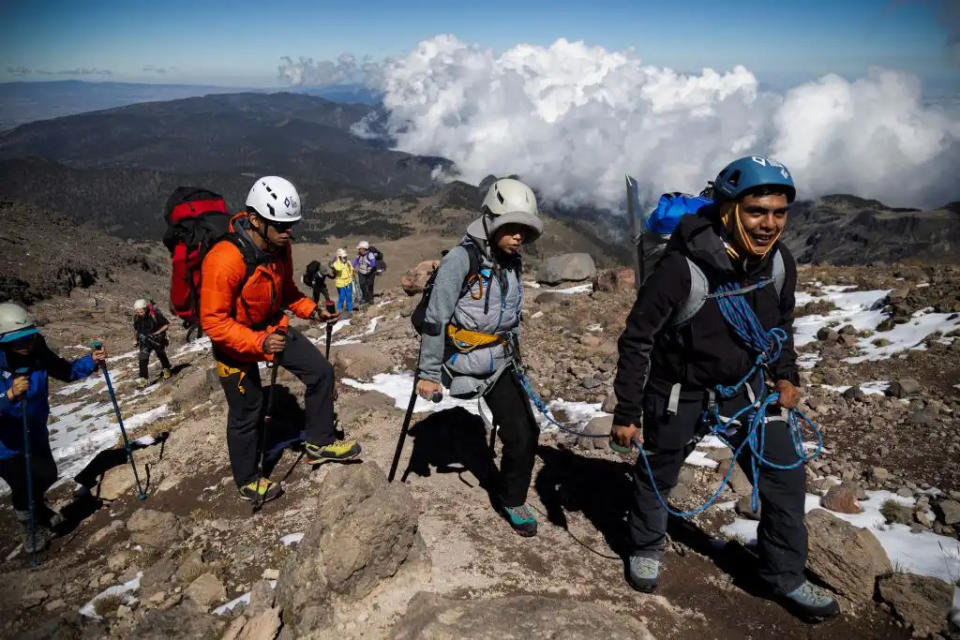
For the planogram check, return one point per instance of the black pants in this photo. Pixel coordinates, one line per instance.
(366, 286)
(144, 356)
(44, 472)
(518, 432)
(245, 398)
(668, 440)
(320, 290)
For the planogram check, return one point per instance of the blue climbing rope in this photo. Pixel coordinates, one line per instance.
(768, 345)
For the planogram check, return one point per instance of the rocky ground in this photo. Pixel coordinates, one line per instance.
(344, 554)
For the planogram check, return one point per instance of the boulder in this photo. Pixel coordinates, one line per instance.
(359, 361)
(263, 626)
(156, 529)
(599, 426)
(363, 530)
(922, 602)
(206, 591)
(414, 280)
(431, 617)
(619, 279)
(610, 404)
(193, 386)
(185, 620)
(842, 499)
(739, 481)
(846, 558)
(262, 597)
(568, 267)
(116, 483)
(949, 511)
(902, 388)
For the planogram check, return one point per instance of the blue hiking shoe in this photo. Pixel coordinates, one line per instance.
(811, 602)
(642, 573)
(522, 520)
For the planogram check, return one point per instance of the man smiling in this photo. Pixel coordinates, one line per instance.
(678, 355)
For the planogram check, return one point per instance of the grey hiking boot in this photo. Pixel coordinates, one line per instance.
(34, 541)
(811, 602)
(642, 573)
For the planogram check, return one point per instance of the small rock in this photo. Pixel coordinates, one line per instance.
(853, 393)
(744, 508)
(589, 382)
(591, 340)
(905, 492)
(738, 479)
(34, 598)
(924, 517)
(270, 574)
(879, 474)
(841, 499)
(206, 591)
(846, 558)
(609, 404)
(922, 602)
(826, 334)
(902, 388)
(157, 529)
(54, 605)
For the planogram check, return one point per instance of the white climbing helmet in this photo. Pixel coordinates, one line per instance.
(363, 244)
(140, 304)
(508, 201)
(15, 322)
(274, 198)
(341, 253)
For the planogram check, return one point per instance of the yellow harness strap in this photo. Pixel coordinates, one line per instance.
(225, 372)
(466, 341)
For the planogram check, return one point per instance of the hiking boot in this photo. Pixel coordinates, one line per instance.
(334, 452)
(142, 383)
(522, 520)
(642, 573)
(811, 602)
(36, 541)
(166, 374)
(262, 490)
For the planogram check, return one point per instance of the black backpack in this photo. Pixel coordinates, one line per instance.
(310, 273)
(381, 266)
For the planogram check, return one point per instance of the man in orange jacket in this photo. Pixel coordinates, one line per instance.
(246, 284)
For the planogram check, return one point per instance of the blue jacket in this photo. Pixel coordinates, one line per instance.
(42, 363)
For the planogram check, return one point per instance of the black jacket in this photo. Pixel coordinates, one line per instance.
(150, 322)
(704, 352)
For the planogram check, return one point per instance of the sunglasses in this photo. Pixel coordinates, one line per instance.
(281, 227)
(20, 343)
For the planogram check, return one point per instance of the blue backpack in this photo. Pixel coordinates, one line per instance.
(652, 231)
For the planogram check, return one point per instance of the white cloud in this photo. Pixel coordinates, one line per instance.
(572, 119)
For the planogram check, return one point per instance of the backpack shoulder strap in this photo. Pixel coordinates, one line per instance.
(249, 257)
(699, 288)
(779, 272)
(473, 254)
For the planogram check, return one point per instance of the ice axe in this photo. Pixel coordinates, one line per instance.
(31, 505)
(437, 397)
(267, 419)
(331, 308)
(123, 431)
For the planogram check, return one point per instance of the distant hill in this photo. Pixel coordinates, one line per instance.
(23, 102)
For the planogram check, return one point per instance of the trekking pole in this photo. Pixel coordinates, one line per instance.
(267, 419)
(331, 308)
(437, 397)
(32, 509)
(141, 494)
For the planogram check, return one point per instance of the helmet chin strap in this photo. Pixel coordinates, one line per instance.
(263, 233)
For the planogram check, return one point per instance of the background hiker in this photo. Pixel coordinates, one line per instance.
(22, 346)
(471, 333)
(315, 278)
(247, 283)
(343, 280)
(365, 265)
(669, 374)
(151, 328)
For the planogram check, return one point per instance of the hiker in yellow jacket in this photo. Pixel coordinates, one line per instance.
(343, 271)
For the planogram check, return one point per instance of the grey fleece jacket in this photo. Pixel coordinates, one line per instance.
(469, 374)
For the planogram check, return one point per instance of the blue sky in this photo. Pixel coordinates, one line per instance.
(241, 43)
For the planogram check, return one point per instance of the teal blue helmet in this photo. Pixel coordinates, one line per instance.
(750, 172)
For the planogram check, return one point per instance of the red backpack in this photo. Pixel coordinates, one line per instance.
(196, 219)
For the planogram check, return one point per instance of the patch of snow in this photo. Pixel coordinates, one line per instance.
(909, 335)
(540, 313)
(921, 285)
(856, 308)
(291, 538)
(126, 590)
(372, 327)
(580, 288)
(244, 600)
(698, 458)
(531, 284)
(923, 553)
(873, 387)
(808, 360)
(141, 419)
(201, 344)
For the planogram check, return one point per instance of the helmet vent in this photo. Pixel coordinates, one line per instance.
(734, 178)
(500, 197)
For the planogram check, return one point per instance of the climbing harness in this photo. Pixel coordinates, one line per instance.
(740, 316)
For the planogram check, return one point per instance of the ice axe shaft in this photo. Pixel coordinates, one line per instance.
(437, 397)
(141, 494)
(331, 308)
(267, 419)
(31, 505)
